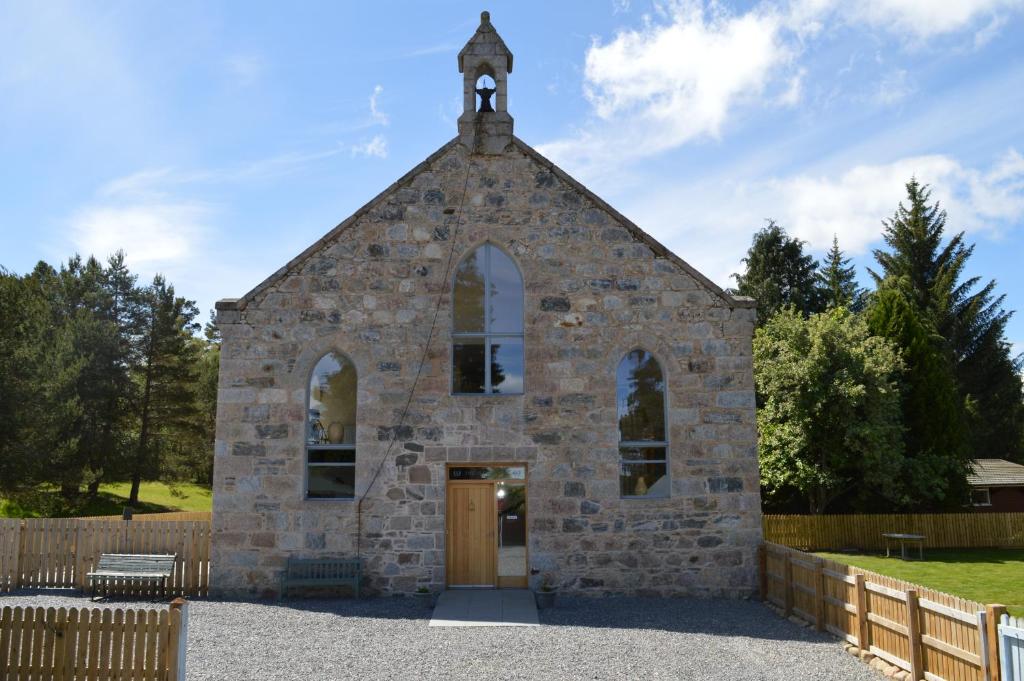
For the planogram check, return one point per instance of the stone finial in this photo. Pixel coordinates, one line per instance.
(485, 128)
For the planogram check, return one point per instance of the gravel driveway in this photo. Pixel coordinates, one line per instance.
(610, 638)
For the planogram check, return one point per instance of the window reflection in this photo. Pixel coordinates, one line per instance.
(507, 365)
(640, 407)
(505, 294)
(331, 429)
(469, 293)
(640, 398)
(487, 349)
(511, 504)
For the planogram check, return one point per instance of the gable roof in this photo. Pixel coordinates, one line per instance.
(995, 473)
(658, 248)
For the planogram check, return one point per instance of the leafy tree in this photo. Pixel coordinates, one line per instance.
(165, 375)
(837, 280)
(937, 454)
(930, 274)
(830, 429)
(779, 274)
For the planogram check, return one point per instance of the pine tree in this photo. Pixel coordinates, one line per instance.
(837, 280)
(936, 452)
(166, 377)
(779, 274)
(929, 273)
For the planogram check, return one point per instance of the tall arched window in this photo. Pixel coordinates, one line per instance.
(643, 443)
(331, 429)
(487, 324)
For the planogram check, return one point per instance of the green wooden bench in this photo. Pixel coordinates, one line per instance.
(315, 572)
(132, 567)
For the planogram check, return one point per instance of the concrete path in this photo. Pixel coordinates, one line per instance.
(485, 608)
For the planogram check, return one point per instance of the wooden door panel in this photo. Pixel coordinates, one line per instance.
(471, 521)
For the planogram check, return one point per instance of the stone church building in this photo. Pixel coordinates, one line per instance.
(488, 377)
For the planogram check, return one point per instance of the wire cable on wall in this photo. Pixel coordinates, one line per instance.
(453, 237)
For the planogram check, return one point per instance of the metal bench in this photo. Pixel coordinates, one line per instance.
(132, 567)
(315, 572)
(904, 539)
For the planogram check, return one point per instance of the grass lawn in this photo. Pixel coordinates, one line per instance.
(983, 575)
(154, 497)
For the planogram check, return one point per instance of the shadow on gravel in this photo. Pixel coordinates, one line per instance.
(713, 617)
(721, 617)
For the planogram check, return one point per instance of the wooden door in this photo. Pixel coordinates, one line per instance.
(471, 538)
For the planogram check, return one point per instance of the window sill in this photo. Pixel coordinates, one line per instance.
(660, 497)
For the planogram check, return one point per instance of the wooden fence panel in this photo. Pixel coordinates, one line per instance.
(10, 542)
(909, 626)
(60, 552)
(1011, 647)
(864, 532)
(90, 644)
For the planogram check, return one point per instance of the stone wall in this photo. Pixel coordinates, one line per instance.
(595, 288)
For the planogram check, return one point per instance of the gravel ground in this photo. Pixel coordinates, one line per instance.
(611, 638)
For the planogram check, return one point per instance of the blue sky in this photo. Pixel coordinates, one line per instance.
(215, 141)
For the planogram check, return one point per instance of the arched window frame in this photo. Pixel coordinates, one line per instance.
(662, 444)
(487, 334)
(311, 448)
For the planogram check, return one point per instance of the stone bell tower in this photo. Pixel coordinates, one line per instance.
(485, 126)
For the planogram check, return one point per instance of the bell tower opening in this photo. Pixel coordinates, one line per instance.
(485, 125)
(485, 90)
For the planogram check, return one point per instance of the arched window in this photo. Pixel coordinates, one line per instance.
(331, 429)
(487, 324)
(643, 443)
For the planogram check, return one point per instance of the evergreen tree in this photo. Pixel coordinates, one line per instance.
(930, 275)
(165, 376)
(779, 274)
(936, 451)
(837, 280)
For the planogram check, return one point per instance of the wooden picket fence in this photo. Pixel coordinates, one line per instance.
(59, 552)
(1011, 648)
(82, 644)
(932, 635)
(864, 532)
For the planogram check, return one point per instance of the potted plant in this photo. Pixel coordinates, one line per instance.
(424, 597)
(545, 595)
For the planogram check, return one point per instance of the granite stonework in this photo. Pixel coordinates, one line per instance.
(595, 287)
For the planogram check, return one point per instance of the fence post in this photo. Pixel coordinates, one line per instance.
(862, 611)
(178, 642)
(914, 634)
(993, 613)
(762, 571)
(819, 595)
(787, 582)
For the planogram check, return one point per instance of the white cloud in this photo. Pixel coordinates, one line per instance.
(657, 87)
(851, 204)
(377, 147)
(919, 19)
(894, 88)
(925, 18)
(985, 34)
(376, 114)
(694, 67)
(244, 69)
(152, 234)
